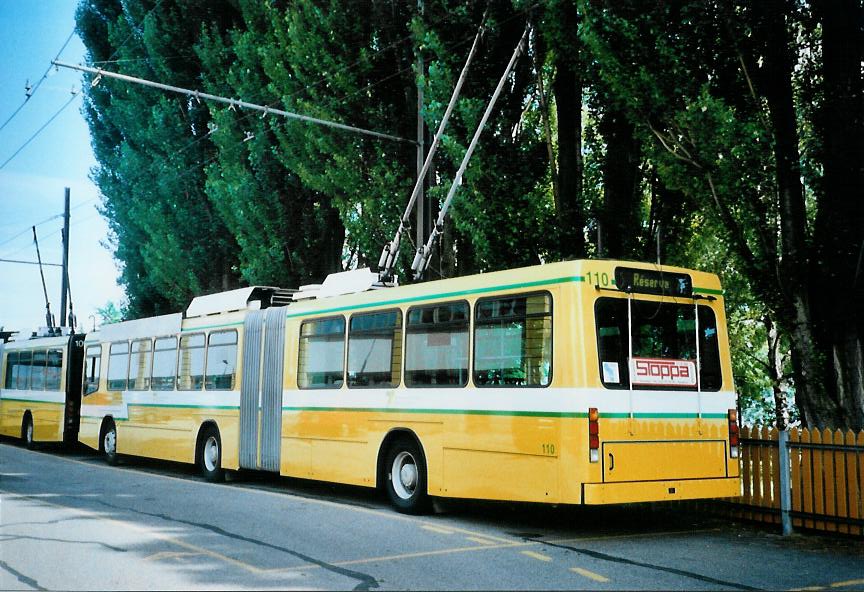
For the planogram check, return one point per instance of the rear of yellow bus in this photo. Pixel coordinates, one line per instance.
(660, 417)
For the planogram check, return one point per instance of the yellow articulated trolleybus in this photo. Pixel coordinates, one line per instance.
(582, 382)
(40, 390)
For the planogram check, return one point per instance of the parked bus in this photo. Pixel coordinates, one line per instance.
(582, 382)
(40, 390)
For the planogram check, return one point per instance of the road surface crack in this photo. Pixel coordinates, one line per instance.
(21, 577)
(671, 570)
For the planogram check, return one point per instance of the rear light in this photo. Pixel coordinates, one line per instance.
(593, 435)
(734, 441)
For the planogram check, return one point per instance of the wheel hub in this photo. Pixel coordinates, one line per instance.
(211, 453)
(404, 475)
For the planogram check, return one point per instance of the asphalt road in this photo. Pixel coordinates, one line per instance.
(70, 522)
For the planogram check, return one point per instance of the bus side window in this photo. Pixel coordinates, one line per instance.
(92, 364)
(221, 360)
(23, 381)
(375, 349)
(164, 364)
(53, 369)
(37, 369)
(118, 366)
(142, 357)
(11, 370)
(190, 369)
(513, 341)
(321, 364)
(436, 346)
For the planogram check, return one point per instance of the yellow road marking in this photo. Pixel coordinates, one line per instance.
(169, 555)
(589, 574)
(414, 555)
(847, 583)
(436, 529)
(480, 541)
(810, 588)
(538, 556)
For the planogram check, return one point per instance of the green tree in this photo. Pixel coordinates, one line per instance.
(713, 84)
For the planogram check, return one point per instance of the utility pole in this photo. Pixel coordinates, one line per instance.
(65, 280)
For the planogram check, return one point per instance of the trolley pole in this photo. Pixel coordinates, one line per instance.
(421, 145)
(65, 280)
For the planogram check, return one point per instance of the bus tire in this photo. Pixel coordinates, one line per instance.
(108, 442)
(209, 454)
(405, 477)
(27, 432)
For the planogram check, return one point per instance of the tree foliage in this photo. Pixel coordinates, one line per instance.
(724, 135)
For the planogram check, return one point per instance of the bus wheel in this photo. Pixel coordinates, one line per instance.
(27, 432)
(405, 478)
(210, 454)
(109, 443)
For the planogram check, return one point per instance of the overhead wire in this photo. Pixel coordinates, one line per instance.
(32, 91)
(39, 131)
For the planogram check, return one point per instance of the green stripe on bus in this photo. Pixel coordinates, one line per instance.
(519, 286)
(708, 291)
(560, 414)
(32, 401)
(186, 406)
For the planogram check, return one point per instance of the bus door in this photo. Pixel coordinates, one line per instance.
(261, 389)
(74, 377)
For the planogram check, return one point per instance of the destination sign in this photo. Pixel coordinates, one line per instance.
(650, 281)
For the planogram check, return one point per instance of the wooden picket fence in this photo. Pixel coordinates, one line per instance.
(826, 479)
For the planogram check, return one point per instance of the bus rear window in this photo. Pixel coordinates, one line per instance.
(664, 345)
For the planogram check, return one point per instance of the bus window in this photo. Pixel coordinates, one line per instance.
(190, 370)
(11, 370)
(37, 369)
(709, 350)
(375, 349)
(142, 357)
(513, 341)
(164, 364)
(23, 381)
(53, 369)
(118, 366)
(322, 352)
(662, 332)
(437, 345)
(92, 364)
(221, 360)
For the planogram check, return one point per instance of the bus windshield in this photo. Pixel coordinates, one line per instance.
(664, 346)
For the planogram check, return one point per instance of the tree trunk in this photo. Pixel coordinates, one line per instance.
(620, 219)
(794, 281)
(567, 87)
(838, 294)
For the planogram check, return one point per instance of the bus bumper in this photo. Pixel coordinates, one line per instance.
(659, 491)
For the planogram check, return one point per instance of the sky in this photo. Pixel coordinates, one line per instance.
(32, 184)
